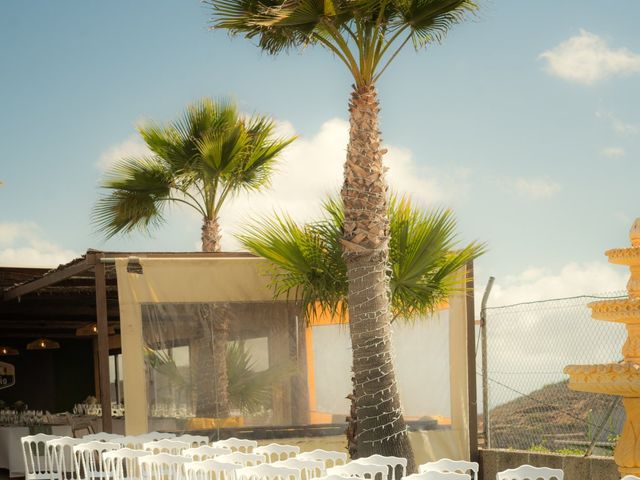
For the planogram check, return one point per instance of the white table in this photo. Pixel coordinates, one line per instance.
(11, 449)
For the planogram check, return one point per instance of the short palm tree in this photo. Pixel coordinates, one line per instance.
(201, 161)
(308, 264)
(366, 36)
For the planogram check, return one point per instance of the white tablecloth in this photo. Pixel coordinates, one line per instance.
(11, 449)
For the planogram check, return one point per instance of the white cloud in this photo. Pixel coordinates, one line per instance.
(22, 244)
(587, 59)
(622, 128)
(312, 168)
(532, 188)
(613, 152)
(131, 147)
(573, 279)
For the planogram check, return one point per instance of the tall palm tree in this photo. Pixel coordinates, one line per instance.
(201, 161)
(308, 264)
(366, 36)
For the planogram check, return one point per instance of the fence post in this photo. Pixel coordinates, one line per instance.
(485, 377)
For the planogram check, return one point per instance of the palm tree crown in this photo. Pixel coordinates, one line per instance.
(200, 160)
(366, 35)
(424, 255)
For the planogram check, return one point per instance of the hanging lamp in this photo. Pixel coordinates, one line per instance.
(92, 329)
(43, 344)
(4, 350)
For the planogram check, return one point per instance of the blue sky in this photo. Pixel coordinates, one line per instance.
(525, 121)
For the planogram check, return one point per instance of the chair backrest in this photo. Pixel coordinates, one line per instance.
(101, 437)
(134, 442)
(436, 475)
(267, 471)
(335, 477)
(397, 466)
(276, 452)
(243, 459)
(88, 458)
(204, 452)
(167, 445)
(153, 436)
(330, 458)
(122, 464)
(60, 453)
(36, 461)
(237, 444)
(528, 472)
(162, 466)
(210, 469)
(193, 440)
(308, 468)
(448, 465)
(630, 477)
(361, 470)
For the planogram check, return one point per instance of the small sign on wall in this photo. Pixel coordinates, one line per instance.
(7, 375)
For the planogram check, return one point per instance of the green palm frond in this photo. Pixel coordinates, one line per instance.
(200, 160)
(250, 390)
(307, 263)
(424, 256)
(138, 190)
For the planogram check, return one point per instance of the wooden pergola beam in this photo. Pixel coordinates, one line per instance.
(50, 278)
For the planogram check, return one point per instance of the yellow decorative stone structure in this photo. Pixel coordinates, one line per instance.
(620, 378)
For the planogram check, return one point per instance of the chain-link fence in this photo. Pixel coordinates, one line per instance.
(530, 405)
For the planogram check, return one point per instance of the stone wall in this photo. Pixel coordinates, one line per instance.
(574, 467)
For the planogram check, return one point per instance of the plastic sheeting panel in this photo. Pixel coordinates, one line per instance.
(205, 346)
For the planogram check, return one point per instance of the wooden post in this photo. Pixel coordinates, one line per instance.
(103, 344)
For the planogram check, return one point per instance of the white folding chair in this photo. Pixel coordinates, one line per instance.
(60, 452)
(101, 437)
(276, 452)
(267, 471)
(448, 465)
(193, 440)
(205, 452)
(87, 459)
(162, 466)
(34, 453)
(167, 445)
(308, 468)
(122, 464)
(243, 459)
(210, 469)
(330, 458)
(397, 466)
(435, 475)
(360, 470)
(237, 444)
(528, 472)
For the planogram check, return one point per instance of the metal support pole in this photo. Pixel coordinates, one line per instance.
(614, 403)
(485, 370)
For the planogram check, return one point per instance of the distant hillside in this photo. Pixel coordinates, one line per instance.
(551, 416)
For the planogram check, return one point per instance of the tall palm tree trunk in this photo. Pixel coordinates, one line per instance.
(210, 235)
(380, 426)
(212, 390)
